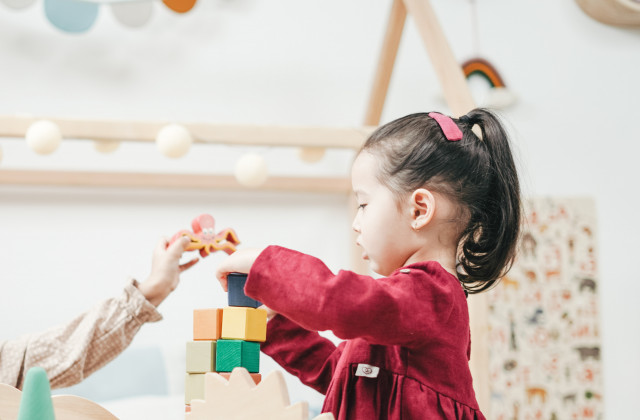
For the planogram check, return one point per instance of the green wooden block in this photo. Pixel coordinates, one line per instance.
(193, 387)
(201, 356)
(237, 353)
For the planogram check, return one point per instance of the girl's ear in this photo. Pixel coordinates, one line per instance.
(423, 207)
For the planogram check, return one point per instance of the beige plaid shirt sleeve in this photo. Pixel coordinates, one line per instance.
(69, 353)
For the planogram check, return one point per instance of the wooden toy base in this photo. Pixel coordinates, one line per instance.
(65, 407)
(240, 398)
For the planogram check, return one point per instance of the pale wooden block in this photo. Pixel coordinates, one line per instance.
(239, 323)
(240, 398)
(193, 387)
(201, 356)
(207, 324)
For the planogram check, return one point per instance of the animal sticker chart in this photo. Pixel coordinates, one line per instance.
(544, 320)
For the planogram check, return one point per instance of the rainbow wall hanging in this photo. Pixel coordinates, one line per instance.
(77, 16)
(499, 96)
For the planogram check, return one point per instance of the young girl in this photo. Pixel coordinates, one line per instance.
(439, 216)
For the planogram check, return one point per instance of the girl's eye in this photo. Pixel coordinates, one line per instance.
(362, 206)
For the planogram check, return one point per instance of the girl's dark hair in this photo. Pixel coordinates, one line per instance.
(478, 174)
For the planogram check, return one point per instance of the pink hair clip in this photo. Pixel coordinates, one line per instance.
(451, 131)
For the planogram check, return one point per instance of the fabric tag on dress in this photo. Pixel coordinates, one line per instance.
(367, 370)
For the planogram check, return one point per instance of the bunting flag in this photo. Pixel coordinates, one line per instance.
(78, 16)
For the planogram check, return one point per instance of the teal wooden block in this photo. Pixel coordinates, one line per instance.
(201, 356)
(237, 353)
(35, 402)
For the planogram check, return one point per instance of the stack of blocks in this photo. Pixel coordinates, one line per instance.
(224, 339)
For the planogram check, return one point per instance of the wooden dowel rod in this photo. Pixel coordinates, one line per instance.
(168, 181)
(449, 72)
(387, 59)
(230, 134)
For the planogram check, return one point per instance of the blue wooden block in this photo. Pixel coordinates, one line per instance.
(236, 282)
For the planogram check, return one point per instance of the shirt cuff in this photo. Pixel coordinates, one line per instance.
(137, 305)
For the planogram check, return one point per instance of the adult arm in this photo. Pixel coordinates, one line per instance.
(69, 353)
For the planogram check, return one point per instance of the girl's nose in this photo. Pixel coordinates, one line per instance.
(355, 225)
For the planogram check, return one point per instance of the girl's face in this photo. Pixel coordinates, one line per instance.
(383, 227)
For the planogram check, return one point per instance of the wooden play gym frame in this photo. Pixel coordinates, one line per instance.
(456, 93)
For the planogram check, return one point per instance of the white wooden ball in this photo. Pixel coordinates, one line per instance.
(251, 170)
(43, 137)
(18, 4)
(174, 140)
(311, 154)
(106, 146)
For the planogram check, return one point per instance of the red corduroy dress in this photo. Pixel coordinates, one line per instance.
(407, 336)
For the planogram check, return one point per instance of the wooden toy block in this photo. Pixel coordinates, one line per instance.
(249, 324)
(236, 282)
(193, 387)
(187, 408)
(240, 398)
(231, 354)
(36, 396)
(207, 324)
(16, 404)
(255, 376)
(201, 356)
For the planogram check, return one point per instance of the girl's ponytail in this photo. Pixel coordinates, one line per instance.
(488, 244)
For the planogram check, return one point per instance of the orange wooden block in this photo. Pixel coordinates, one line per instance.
(207, 324)
(187, 408)
(255, 376)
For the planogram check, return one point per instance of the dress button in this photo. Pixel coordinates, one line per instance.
(405, 270)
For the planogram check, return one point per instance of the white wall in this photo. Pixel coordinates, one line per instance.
(299, 62)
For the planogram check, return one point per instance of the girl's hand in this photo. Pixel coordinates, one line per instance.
(238, 262)
(165, 270)
(270, 312)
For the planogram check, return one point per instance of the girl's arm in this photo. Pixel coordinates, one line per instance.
(301, 352)
(403, 309)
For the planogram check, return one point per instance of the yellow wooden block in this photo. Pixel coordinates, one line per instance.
(207, 324)
(193, 387)
(239, 323)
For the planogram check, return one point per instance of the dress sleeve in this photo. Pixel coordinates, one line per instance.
(303, 353)
(403, 309)
(69, 353)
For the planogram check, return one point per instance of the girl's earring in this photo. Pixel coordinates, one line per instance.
(415, 227)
